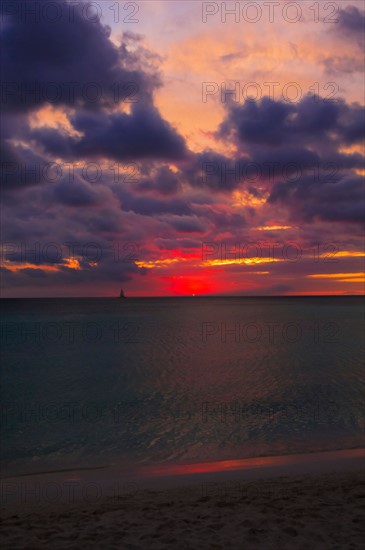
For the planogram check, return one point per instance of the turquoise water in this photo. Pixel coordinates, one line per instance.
(104, 381)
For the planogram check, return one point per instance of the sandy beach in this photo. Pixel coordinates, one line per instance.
(307, 511)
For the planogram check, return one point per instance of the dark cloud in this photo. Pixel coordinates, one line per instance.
(257, 122)
(352, 124)
(77, 193)
(263, 165)
(149, 206)
(111, 272)
(107, 220)
(307, 199)
(335, 64)
(222, 219)
(212, 171)
(101, 260)
(20, 167)
(274, 123)
(187, 224)
(165, 182)
(119, 136)
(293, 152)
(351, 23)
(70, 62)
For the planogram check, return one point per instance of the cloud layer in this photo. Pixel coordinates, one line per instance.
(97, 152)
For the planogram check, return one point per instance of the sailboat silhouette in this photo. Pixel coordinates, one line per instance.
(121, 295)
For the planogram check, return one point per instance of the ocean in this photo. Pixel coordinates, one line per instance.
(96, 382)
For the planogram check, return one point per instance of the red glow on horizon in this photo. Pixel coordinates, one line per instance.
(187, 286)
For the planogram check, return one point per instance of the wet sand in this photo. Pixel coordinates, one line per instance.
(238, 509)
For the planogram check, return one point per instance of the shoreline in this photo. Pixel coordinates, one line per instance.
(72, 485)
(237, 463)
(315, 511)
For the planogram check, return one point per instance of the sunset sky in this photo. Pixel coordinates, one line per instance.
(128, 161)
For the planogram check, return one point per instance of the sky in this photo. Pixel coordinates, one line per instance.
(182, 148)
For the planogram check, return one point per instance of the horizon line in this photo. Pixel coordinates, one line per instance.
(183, 296)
